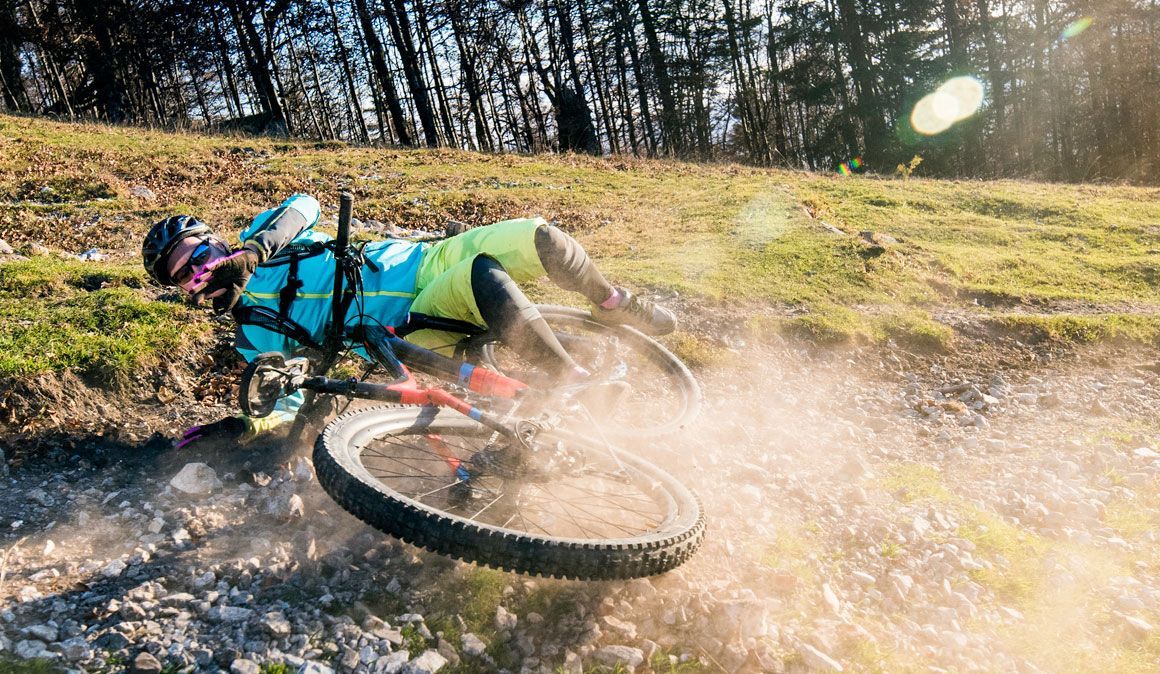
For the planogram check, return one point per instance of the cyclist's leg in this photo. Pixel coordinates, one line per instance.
(480, 291)
(527, 248)
(568, 265)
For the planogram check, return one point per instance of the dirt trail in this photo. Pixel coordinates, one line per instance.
(869, 511)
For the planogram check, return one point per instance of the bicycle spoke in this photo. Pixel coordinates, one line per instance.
(594, 502)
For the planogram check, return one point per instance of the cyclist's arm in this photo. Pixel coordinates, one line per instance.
(273, 230)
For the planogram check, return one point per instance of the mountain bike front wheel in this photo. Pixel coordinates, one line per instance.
(560, 506)
(662, 397)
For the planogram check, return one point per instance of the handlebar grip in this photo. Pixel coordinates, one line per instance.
(341, 242)
(345, 209)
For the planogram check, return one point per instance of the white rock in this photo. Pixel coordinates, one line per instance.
(1141, 627)
(572, 663)
(232, 614)
(391, 664)
(113, 569)
(1145, 453)
(818, 660)
(31, 648)
(46, 633)
(303, 471)
(864, 579)
(196, 478)
(505, 620)
(428, 662)
(244, 666)
(76, 649)
(1013, 614)
(315, 668)
(611, 656)
(276, 623)
(472, 645)
(627, 629)
(830, 598)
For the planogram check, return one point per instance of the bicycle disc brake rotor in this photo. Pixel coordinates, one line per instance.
(266, 379)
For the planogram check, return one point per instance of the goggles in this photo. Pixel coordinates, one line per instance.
(195, 265)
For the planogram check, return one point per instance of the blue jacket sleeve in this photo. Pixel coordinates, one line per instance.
(272, 230)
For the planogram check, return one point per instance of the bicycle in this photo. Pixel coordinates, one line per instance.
(498, 472)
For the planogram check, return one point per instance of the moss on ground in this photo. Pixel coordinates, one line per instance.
(96, 320)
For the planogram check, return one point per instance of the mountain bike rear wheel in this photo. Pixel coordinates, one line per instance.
(566, 507)
(663, 397)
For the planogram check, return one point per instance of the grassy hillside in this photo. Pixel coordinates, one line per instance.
(1054, 261)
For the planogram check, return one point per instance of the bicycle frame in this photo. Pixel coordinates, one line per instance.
(390, 351)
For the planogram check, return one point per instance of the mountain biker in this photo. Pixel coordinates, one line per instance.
(283, 265)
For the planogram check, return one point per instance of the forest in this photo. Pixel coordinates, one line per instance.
(1046, 89)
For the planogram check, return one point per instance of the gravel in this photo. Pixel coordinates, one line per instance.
(862, 517)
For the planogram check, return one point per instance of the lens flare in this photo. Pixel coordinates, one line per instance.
(850, 167)
(957, 99)
(1075, 28)
(765, 218)
(967, 93)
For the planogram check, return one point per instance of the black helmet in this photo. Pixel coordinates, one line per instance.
(162, 238)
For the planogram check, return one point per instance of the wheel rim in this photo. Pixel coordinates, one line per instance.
(564, 490)
(652, 401)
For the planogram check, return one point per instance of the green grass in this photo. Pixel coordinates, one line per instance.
(914, 329)
(914, 482)
(1022, 578)
(825, 324)
(12, 665)
(1073, 328)
(105, 334)
(413, 642)
(749, 239)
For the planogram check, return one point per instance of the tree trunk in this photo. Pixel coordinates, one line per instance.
(596, 69)
(627, 26)
(868, 111)
(467, 60)
(378, 58)
(259, 66)
(397, 19)
(355, 104)
(296, 68)
(227, 68)
(670, 118)
(432, 60)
